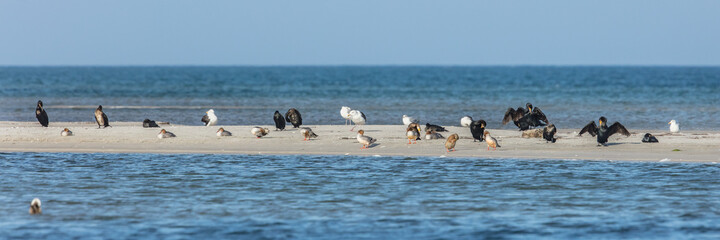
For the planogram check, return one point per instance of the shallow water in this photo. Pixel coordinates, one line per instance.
(639, 97)
(330, 197)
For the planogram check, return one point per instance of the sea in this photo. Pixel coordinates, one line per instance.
(219, 196)
(191, 196)
(571, 97)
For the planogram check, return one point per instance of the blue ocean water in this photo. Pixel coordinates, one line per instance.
(639, 97)
(150, 196)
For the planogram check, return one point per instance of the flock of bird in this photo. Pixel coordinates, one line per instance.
(526, 119)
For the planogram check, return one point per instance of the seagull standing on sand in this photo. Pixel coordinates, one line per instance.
(407, 120)
(674, 126)
(210, 119)
(357, 117)
(345, 113)
(364, 140)
(35, 206)
(466, 121)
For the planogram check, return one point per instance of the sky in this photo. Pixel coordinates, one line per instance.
(382, 32)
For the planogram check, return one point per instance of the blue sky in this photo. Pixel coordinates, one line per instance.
(359, 32)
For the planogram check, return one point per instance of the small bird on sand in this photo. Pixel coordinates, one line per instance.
(365, 140)
(604, 132)
(413, 133)
(434, 127)
(35, 206)
(345, 113)
(222, 133)
(308, 133)
(466, 121)
(549, 133)
(279, 121)
(431, 134)
(674, 126)
(259, 132)
(165, 134)
(450, 143)
(293, 116)
(209, 118)
(649, 138)
(357, 117)
(147, 123)
(66, 132)
(491, 141)
(407, 120)
(477, 129)
(101, 118)
(41, 115)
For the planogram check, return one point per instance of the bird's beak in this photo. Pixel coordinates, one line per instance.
(669, 122)
(600, 121)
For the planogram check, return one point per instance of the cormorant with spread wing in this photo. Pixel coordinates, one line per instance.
(604, 132)
(525, 118)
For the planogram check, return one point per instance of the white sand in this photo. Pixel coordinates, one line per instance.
(125, 137)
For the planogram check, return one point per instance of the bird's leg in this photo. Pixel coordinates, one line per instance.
(353, 128)
(409, 142)
(488, 148)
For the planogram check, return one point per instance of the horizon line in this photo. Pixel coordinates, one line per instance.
(363, 65)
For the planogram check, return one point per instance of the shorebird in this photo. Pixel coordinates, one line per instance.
(364, 140)
(431, 134)
(525, 118)
(210, 119)
(279, 121)
(491, 141)
(293, 116)
(41, 115)
(674, 126)
(477, 129)
(66, 132)
(345, 113)
(450, 143)
(413, 133)
(165, 134)
(259, 132)
(222, 133)
(357, 117)
(35, 206)
(307, 133)
(101, 118)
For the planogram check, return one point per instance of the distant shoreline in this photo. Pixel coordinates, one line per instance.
(130, 137)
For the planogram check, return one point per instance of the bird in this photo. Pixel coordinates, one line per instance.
(101, 118)
(308, 133)
(279, 121)
(41, 115)
(450, 142)
(674, 126)
(604, 132)
(364, 140)
(525, 118)
(259, 132)
(147, 123)
(549, 133)
(209, 118)
(431, 134)
(532, 133)
(66, 132)
(293, 116)
(222, 133)
(649, 138)
(433, 127)
(407, 120)
(491, 141)
(466, 121)
(357, 117)
(165, 134)
(477, 128)
(413, 133)
(345, 113)
(35, 206)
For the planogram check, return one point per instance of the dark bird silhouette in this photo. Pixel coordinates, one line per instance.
(279, 121)
(293, 116)
(101, 118)
(525, 118)
(549, 133)
(649, 138)
(604, 132)
(477, 128)
(147, 123)
(41, 115)
(433, 127)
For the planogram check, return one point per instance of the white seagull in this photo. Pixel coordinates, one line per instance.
(674, 126)
(407, 120)
(345, 113)
(357, 117)
(466, 121)
(210, 119)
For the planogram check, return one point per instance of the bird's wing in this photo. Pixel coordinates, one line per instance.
(105, 119)
(618, 128)
(509, 115)
(540, 115)
(590, 128)
(205, 119)
(363, 116)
